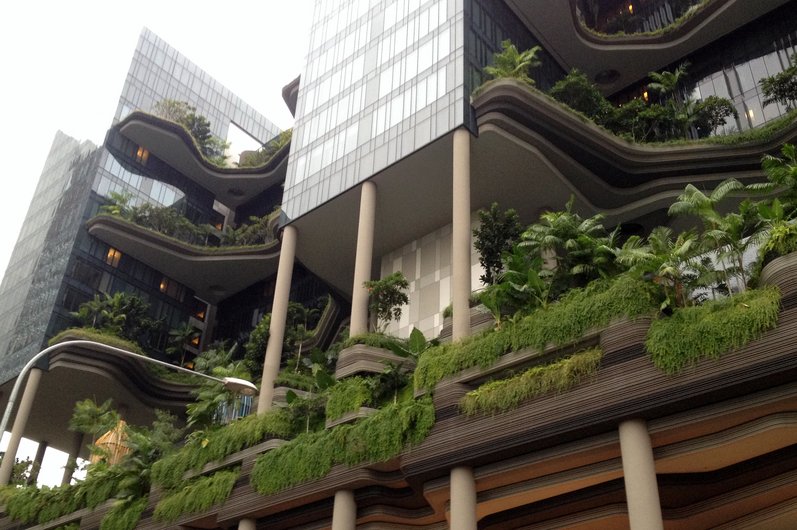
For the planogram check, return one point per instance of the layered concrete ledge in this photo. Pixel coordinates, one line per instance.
(173, 144)
(623, 180)
(206, 270)
(364, 359)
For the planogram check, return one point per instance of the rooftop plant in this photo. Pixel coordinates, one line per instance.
(377, 438)
(387, 297)
(511, 63)
(262, 156)
(197, 495)
(198, 126)
(506, 394)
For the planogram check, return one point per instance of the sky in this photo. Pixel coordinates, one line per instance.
(63, 65)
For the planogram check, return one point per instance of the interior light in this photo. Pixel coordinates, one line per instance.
(645, 95)
(631, 8)
(751, 114)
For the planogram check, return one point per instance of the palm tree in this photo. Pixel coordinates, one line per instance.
(510, 63)
(665, 84)
(180, 338)
(671, 263)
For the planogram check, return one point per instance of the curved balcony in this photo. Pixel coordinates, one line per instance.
(206, 270)
(615, 61)
(173, 144)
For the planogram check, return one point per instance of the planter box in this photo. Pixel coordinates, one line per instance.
(624, 338)
(480, 319)
(280, 393)
(350, 417)
(782, 272)
(363, 359)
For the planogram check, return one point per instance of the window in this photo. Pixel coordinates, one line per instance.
(142, 155)
(172, 289)
(112, 257)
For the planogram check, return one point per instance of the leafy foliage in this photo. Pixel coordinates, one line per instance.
(263, 155)
(375, 340)
(348, 396)
(90, 418)
(497, 233)
(510, 63)
(560, 323)
(122, 314)
(782, 87)
(506, 394)
(387, 296)
(376, 438)
(197, 496)
(95, 335)
(714, 328)
(198, 126)
(577, 92)
(215, 444)
(124, 515)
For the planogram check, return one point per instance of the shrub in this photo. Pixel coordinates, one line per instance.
(377, 438)
(387, 297)
(124, 515)
(506, 394)
(348, 396)
(714, 328)
(198, 495)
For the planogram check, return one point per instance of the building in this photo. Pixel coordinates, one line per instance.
(57, 265)
(393, 152)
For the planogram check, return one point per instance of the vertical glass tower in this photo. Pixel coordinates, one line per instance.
(56, 265)
(383, 79)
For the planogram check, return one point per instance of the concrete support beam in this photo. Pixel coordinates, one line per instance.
(279, 314)
(37, 462)
(344, 512)
(71, 462)
(639, 474)
(460, 236)
(20, 421)
(463, 499)
(363, 260)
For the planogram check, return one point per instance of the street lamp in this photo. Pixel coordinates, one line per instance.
(233, 384)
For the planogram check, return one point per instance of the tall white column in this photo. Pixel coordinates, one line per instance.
(21, 420)
(71, 462)
(639, 474)
(37, 463)
(363, 260)
(279, 314)
(344, 512)
(463, 499)
(460, 236)
(247, 524)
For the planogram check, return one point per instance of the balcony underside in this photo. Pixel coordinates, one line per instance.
(632, 57)
(171, 143)
(213, 273)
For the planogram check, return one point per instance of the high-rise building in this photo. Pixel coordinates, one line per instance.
(398, 142)
(56, 265)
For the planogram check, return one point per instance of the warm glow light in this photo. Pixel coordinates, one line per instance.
(751, 114)
(142, 155)
(631, 8)
(645, 95)
(164, 284)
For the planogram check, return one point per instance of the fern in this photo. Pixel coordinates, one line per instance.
(197, 496)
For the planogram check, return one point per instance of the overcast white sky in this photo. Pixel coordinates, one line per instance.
(63, 65)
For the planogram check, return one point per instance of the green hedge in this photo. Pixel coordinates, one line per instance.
(709, 330)
(561, 323)
(198, 495)
(375, 340)
(219, 443)
(376, 438)
(507, 394)
(109, 339)
(348, 396)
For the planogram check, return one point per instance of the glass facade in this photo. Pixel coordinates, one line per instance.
(56, 265)
(383, 78)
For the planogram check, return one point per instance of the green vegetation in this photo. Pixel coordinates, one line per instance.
(495, 235)
(781, 88)
(507, 394)
(714, 328)
(561, 323)
(214, 444)
(169, 221)
(377, 438)
(211, 147)
(386, 298)
(124, 515)
(375, 340)
(348, 395)
(627, 24)
(510, 63)
(262, 156)
(95, 335)
(197, 496)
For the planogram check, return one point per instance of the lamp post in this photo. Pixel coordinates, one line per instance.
(234, 384)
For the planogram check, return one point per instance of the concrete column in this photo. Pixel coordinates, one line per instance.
(639, 473)
(37, 462)
(363, 260)
(463, 499)
(344, 513)
(247, 524)
(20, 421)
(460, 236)
(279, 314)
(71, 462)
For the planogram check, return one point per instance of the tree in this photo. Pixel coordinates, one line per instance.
(181, 338)
(497, 233)
(665, 84)
(265, 153)
(781, 88)
(197, 125)
(713, 112)
(510, 63)
(387, 296)
(90, 418)
(577, 92)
